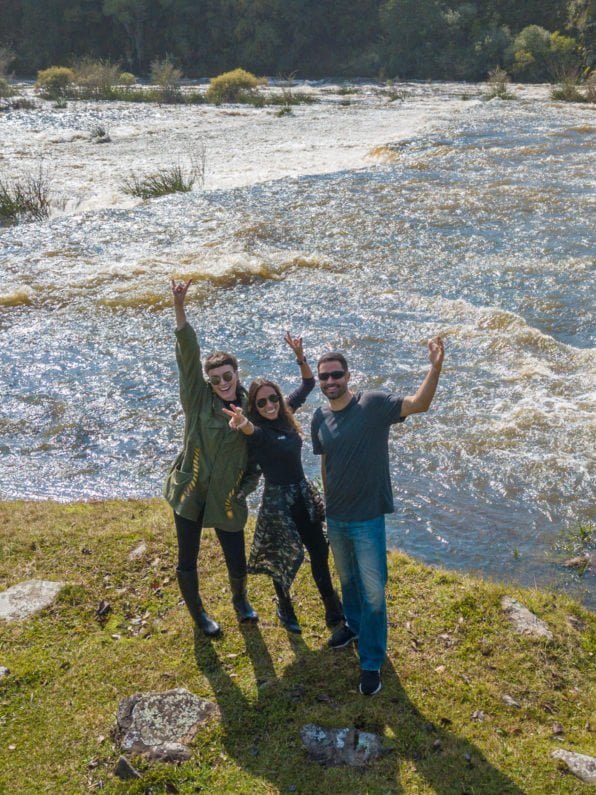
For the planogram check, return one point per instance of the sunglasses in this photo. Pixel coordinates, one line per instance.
(216, 379)
(262, 402)
(335, 374)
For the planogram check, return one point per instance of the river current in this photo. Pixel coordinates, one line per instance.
(365, 225)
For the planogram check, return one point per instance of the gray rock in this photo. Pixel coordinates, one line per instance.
(335, 747)
(138, 552)
(159, 725)
(524, 621)
(581, 765)
(509, 701)
(26, 598)
(125, 770)
(3, 672)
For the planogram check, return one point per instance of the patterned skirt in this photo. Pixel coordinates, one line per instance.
(277, 548)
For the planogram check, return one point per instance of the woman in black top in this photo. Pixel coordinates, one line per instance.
(291, 513)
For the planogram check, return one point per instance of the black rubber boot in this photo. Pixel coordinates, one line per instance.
(244, 610)
(188, 582)
(285, 611)
(334, 614)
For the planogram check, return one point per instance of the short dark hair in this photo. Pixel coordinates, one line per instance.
(218, 359)
(333, 356)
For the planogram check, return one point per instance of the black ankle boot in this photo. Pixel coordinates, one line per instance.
(188, 582)
(334, 614)
(244, 610)
(285, 611)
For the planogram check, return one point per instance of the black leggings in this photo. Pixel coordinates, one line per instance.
(189, 543)
(316, 544)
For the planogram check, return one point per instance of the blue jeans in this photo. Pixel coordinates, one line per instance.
(360, 553)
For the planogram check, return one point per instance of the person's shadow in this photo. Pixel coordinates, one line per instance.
(262, 731)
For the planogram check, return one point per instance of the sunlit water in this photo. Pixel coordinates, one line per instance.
(475, 221)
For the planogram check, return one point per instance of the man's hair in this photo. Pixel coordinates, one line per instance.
(333, 356)
(218, 359)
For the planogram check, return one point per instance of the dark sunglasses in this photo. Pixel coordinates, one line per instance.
(216, 379)
(262, 402)
(335, 374)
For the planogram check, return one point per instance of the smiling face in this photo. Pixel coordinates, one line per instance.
(267, 402)
(224, 382)
(333, 379)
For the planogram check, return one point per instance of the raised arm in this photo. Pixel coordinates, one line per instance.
(179, 292)
(298, 396)
(295, 344)
(418, 403)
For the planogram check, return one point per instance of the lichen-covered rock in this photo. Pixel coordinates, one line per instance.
(523, 620)
(22, 600)
(335, 747)
(159, 725)
(581, 765)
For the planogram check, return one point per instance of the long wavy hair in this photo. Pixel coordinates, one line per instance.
(285, 413)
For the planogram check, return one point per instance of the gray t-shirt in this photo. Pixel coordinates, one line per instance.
(355, 443)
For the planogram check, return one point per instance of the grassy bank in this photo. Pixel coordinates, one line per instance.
(452, 657)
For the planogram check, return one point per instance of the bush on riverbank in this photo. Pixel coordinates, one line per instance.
(119, 628)
(235, 86)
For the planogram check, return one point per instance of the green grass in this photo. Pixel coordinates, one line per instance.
(451, 654)
(162, 182)
(27, 199)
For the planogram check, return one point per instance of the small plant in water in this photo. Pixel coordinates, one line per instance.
(498, 81)
(26, 199)
(99, 134)
(168, 180)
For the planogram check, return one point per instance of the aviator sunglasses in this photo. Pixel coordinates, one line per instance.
(335, 374)
(216, 379)
(262, 402)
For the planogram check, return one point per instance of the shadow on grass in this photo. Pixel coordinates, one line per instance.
(262, 729)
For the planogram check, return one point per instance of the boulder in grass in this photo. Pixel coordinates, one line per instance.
(160, 725)
(336, 747)
(581, 765)
(524, 622)
(26, 598)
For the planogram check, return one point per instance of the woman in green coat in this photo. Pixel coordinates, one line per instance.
(209, 480)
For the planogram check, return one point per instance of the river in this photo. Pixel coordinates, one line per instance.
(363, 223)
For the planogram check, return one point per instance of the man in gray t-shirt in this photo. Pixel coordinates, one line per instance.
(351, 434)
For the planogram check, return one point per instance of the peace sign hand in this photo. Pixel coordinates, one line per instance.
(295, 344)
(237, 417)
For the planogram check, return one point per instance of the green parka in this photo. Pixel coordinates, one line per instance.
(213, 466)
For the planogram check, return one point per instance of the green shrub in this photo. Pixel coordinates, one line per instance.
(25, 200)
(498, 80)
(54, 83)
(165, 181)
(567, 90)
(126, 79)
(6, 89)
(165, 75)
(231, 86)
(96, 78)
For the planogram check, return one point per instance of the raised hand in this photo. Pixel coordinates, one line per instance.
(295, 344)
(179, 292)
(436, 352)
(238, 419)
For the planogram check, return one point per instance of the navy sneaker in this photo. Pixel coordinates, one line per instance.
(370, 683)
(342, 637)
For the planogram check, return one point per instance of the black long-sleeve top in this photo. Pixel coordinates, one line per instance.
(276, 447)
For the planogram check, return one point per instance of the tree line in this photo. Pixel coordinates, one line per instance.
(405, 39)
